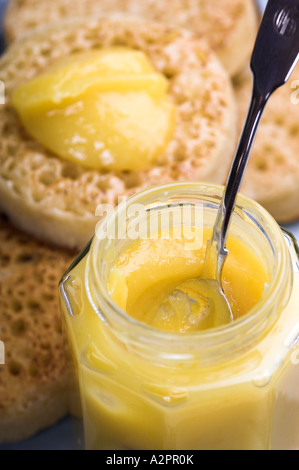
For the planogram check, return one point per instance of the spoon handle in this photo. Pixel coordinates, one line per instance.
(275, 55)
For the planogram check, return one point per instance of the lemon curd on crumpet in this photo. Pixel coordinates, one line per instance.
(162, 110)
(102, 109)
(148, 381)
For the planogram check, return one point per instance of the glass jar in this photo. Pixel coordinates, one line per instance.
(232, 387)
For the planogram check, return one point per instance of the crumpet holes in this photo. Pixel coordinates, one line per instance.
(18, 327)
(15, 368)
(16, 306)
(261, 165)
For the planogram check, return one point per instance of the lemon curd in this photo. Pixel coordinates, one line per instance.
(148, 382)
(102, 109)
(149, 270)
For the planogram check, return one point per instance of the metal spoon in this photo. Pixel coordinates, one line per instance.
(274, 57)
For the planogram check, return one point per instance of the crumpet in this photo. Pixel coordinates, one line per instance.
(56, 200)
(229, 26)
(272, 176)
(34, 378)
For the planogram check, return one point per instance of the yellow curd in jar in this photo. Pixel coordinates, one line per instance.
(103, 109)
(150, 270)
(158, 383)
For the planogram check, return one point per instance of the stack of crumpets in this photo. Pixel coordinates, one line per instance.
(34, 378)
(143, 104)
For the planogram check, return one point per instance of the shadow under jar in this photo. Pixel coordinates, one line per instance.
(140, 387)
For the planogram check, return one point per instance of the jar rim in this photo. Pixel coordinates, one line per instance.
(133, 329)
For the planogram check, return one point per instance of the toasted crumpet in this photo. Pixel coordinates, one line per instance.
(272, 176)
(229, 26)
(55, 199)
(34, 378)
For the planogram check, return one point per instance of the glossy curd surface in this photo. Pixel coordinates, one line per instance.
(102, 109)
(145, 280)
